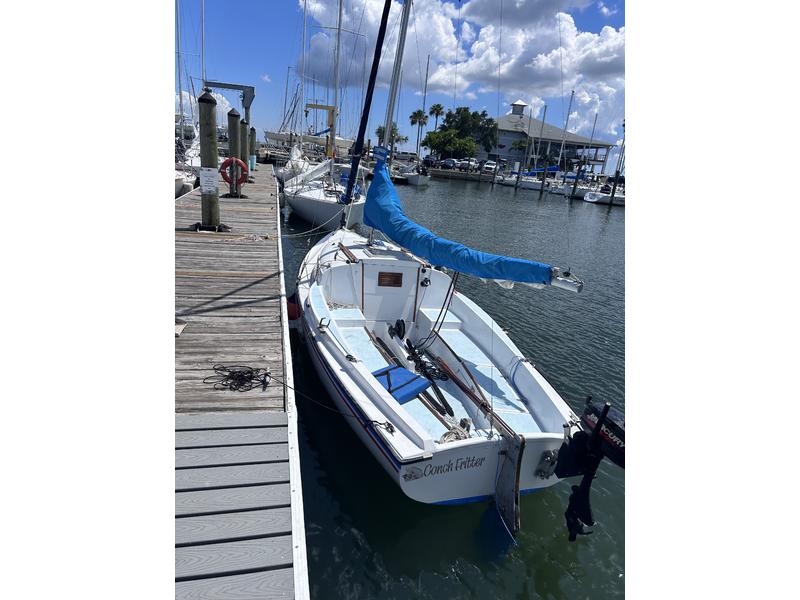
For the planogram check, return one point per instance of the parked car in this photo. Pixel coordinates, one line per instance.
(468, 164)
(429, 160)
(489, 166)
(448, 163)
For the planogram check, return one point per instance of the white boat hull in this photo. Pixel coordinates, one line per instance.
(426, 470)
(418, 179)
(312, 204)
(598, 198)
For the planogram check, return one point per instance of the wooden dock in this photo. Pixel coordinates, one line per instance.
(239, 530)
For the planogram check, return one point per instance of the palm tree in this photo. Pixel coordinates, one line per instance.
(396, 137)
(436, 111)
(418, 118)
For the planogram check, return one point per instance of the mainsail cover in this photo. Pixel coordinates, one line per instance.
(383, 211)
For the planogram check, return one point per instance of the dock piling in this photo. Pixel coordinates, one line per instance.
(252, 145)
(244, 149)
(208, 160)
(544, 177)
(233, 148)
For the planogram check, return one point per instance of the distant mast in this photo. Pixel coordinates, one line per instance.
(180, 75)
(398, 62)
(424, 96)
(335, 90)
(303, 77)
(564, 133)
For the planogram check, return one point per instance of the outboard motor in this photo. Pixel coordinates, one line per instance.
(603, 435)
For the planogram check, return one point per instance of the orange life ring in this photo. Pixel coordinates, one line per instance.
(223, 168)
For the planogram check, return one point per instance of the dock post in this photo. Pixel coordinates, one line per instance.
(233, 148)
(208, 160)
(544, 177)
(252, 139)
(244, 133)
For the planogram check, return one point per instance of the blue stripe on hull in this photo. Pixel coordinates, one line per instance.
(480, 498)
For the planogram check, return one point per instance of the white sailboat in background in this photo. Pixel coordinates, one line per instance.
(297, 163)
(316, 195)
(433, 387)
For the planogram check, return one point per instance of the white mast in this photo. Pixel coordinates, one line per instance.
(424, 97)
(203, 39)
(180, 76)
(564, 132)
(303, 77)
(398, 62)
(336, 89)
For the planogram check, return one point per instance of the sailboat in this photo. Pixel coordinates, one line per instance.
(315, 195)
(435, 389)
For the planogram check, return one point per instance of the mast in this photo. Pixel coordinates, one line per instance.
(424, 97)
(583, 158)
(398, 62)
(619, 164)
(538, 148)
(564, 132)
(391, 145)
(527, 144)
(336, 90)
(203, 39)
(362, 127)
(303, 77)
(180, 76)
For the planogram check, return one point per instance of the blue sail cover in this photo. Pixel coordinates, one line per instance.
(383, 211)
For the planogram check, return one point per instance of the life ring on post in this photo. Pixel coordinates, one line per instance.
(223, 168)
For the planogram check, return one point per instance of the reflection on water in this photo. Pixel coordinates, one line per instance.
(365, 538)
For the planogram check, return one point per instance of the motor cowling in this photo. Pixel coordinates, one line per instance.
(602, 435)
(611, 438)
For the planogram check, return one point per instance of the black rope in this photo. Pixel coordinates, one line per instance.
(238, 378)
(242, 378)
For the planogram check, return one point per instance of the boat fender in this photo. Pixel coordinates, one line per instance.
(223, 168)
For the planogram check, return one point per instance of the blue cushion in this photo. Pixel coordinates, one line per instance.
(401, 383)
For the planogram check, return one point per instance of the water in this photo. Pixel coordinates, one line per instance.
(365, 538)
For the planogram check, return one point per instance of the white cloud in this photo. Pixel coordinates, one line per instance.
(265, 78)
(465, 54)
(605, 10)
(190, 107)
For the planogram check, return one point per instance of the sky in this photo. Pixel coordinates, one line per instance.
(484, 54)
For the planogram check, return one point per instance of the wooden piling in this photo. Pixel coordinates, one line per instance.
(244, 133)
(208, 160)
(252, 145)
(544, 176)
(233, 148)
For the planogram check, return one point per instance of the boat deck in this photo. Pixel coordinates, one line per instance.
(239, 529)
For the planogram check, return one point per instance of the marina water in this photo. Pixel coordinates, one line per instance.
(366, 539)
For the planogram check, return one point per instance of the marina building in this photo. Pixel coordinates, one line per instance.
(517, 125)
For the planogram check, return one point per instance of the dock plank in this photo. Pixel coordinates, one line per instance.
(229, 437)
(231, 499)
(230, 455)
(231, 557)
(265, 585)
(231, 476)
(227, 420)
(233, 526)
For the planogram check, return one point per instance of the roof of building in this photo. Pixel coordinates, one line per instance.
(520, 123)
(519, 102)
